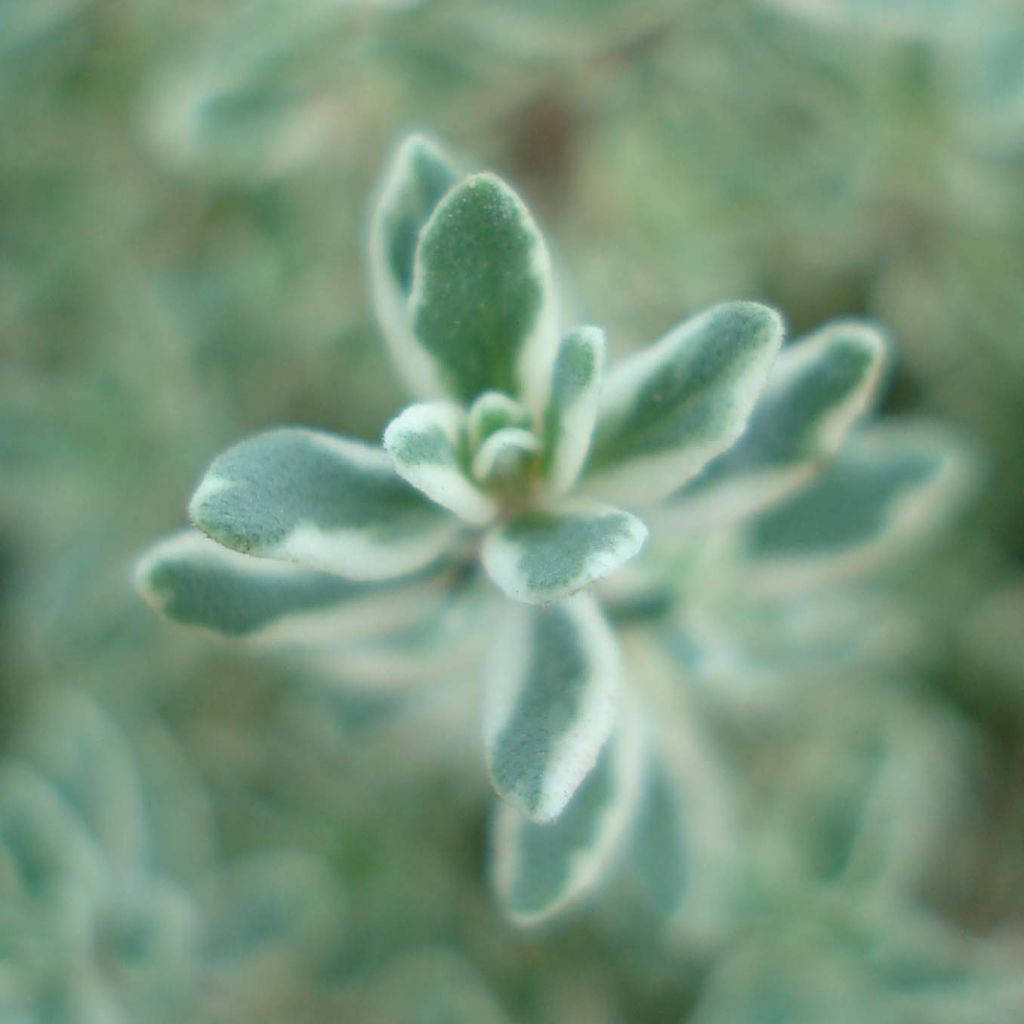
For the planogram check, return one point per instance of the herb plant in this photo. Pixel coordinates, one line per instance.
(526, 470)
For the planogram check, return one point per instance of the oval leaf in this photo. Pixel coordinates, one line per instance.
(888, 488)
(483, 305)
(667, 411)
(196, 582)
(817, 390)
(540, 870)
(322, 501)
(424, 443)
(572, 406)
(540, 557)
(552, 697)
(418, 175)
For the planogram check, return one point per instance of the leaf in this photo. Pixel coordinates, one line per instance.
(540, 557)
(196, 582)
(685, 847)
(325, 502)
(425, 443)
(80, 751)
(505, 457)
(539, 870)
(493, 411)
(417, 177)
(668, 410)
(47, 857)
(572, 406)
(552, 696)
(816, 391)
(890, 487)
(483, 305)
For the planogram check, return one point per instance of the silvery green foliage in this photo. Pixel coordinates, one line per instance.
(114, 908)
(527, 468)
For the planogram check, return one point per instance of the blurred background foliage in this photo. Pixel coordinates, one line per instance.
(184, 195)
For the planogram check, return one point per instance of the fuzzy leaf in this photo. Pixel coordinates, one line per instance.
(491, 412)
(539, 557)
(483, 301)
(541, 869)
(667, 411)
(886, 489)
(194, 581)
(816, 391)
(418, 176)
(325, 502)
(552, 696)
(572, 406)
(424, 442)
(505, 455)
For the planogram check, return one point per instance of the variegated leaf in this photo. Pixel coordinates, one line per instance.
(493, 411)
(425, 443)
(322, 501)
(572, 406)
(889, 488)
(417, 177)
(504, 458)
(544, 556)
(665, 412)
(551, 702)
(816, 391)
(483, 305)
(539, 870)
(194, 581)
(685, 848)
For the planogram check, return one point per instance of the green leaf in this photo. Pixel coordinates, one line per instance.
(889, 488)
(45, 851)
(540, 557)
(483, 304)
(417, 177)
(551, 702)
(540, 870)
(425, 443)
(86, 758)
(505, 457)
(194, 581)
(325, 502)
(817, 389)
(493, 411)
(572, 406)
(665, 412)
(684, 855)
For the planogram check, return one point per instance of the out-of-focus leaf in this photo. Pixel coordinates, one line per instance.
(196, 582)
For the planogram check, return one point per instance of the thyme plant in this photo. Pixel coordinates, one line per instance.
(501, 506)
